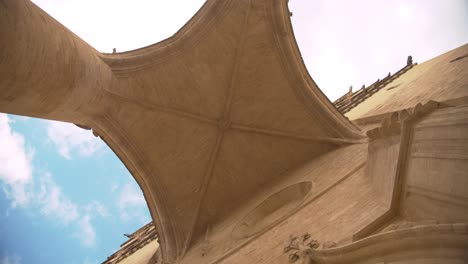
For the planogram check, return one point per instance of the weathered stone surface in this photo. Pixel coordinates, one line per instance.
(236, 148)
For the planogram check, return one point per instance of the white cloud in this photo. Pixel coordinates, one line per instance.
(87, 260)
(69, 138)
(114, 187)
(132, 202)
(95, 207)
(347, 43)
(15, 163)
(10, 259)
(53, 203)
(131, 196)
(86, 233)
(43, 193)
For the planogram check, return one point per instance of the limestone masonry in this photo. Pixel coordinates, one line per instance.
(240, 156)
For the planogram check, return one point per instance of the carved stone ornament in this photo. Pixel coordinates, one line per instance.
(95, 133)
(392, 123)
(303, 248)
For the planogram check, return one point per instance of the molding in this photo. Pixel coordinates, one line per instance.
(306, 90)
(224, 124)
(115, 138)
(392, 123)
(439, 196)
(397, 123)
(421, 242)
(235, 68)
(204, 186)
(161, 108)
(308, 201)
(277, 133)
(431, 155)
(189, 35)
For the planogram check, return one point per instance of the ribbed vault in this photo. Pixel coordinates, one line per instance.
(203, 120)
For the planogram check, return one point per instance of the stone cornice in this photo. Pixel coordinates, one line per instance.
(425, 241)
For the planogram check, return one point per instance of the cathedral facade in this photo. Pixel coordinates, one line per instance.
(240, 156)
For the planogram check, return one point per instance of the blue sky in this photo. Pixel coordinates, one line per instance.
(64, 195)
(66, 198)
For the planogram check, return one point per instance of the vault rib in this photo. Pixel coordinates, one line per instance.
(128, 62)
(235, 68)
(164, 109)
(225, 119)
(193, 80)
(313, 100)
(136, 163)
(163, 143)
(204, 187)
(287, 134)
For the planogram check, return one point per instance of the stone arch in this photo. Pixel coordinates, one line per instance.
(239, 124)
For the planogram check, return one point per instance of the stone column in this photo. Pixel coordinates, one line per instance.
(45, 70)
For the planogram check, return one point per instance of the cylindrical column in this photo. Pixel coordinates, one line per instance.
(46, 70)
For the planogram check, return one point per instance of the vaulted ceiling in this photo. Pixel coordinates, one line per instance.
(203, 120)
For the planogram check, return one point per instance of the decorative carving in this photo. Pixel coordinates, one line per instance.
(83, 127)
(88, 128)
(391, 124)
(328, 244)
(451, 239)
(206, 245)
(351, 100)
(349, 95)
(409, 61)
(135, 242)
(304, 248)
(224, 124)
